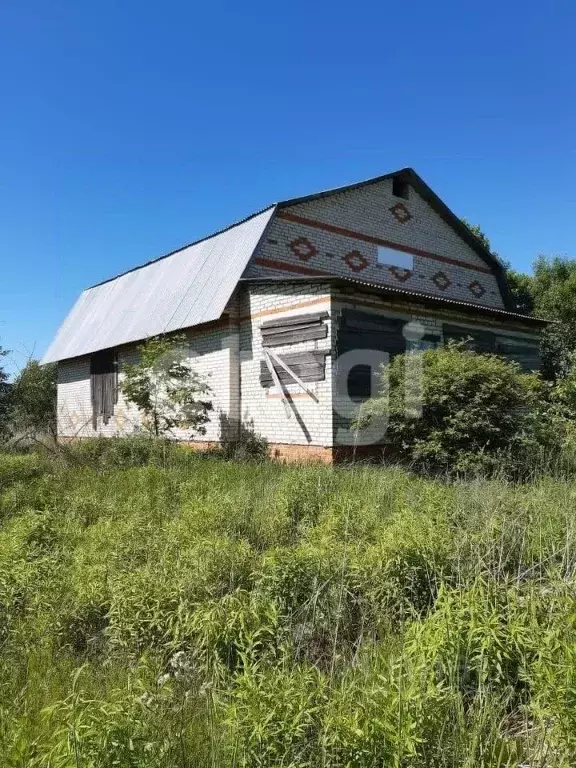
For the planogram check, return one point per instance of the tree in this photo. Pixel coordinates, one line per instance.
(33, 399)
(480, 234)
(551, 293)
(521, 290)
(5, 391)
(165, 388)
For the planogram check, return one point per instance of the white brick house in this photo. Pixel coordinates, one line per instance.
(382, 265)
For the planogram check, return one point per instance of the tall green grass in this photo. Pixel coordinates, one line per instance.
(160, 608)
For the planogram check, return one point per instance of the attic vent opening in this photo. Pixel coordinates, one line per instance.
(400, 188)
(103, 385)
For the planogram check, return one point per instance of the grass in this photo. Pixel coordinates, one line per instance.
(161, 608)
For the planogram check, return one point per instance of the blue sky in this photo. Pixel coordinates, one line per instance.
(128, 129)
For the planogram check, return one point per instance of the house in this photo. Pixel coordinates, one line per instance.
(290, 312)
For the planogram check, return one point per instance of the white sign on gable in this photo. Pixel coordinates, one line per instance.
(392, 258)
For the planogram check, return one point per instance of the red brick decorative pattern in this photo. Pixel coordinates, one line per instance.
(477, 289)
(400, 273)
(378, 241)
(356, 261)
(303, 248)
(400, 213)
(441, 280)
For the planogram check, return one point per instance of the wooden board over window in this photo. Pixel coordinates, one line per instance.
(524, 351)
(308, 366)
(103, 385)
(291, 330)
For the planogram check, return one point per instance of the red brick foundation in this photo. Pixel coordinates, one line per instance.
(291, 453)
(286, 452)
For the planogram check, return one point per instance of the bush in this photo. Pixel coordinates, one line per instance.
(33, 400)
(240, 441)
(465, 412)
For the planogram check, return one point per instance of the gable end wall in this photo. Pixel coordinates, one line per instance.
(339, 235)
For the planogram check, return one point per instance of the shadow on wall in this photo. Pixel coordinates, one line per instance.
(239, 440)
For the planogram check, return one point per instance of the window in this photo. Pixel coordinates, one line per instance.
(358, 331)
(523, 350)
(103, 385)
(392, 258)
(400, 188)
(359, 383)
(474, 339)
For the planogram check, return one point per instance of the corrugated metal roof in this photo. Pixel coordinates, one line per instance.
(185, 288)
(426, 298)
(193, 285)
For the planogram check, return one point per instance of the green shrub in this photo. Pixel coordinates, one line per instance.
(241, 444)
(466, 412)
(274, 718)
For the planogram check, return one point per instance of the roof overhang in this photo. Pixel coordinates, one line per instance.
(350, 283)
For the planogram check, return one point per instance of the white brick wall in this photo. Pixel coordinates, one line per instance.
(367, 211)
(74, 408)
(228, 355)
(212, 353)
(262, 409)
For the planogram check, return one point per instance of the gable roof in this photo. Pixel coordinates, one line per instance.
(187, 287)
(193, 284)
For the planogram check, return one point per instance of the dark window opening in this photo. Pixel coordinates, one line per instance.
(368, 331)
(103, 385)
(359, 382)
(475, 340)
(400, 188)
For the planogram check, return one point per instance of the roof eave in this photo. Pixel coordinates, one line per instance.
(400, 293)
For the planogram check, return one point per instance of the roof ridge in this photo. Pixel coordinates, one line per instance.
(183, 247)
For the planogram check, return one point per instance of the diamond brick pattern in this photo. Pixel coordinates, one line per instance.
(400, 213)
(441, 281)
(401, 274)
(303, 248)
(356, 261)
(476, 288)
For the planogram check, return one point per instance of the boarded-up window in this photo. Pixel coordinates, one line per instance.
(291, 330)
(524, 351)
(103, 385)
(308, 366)
(476, 340)
(366, 330)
